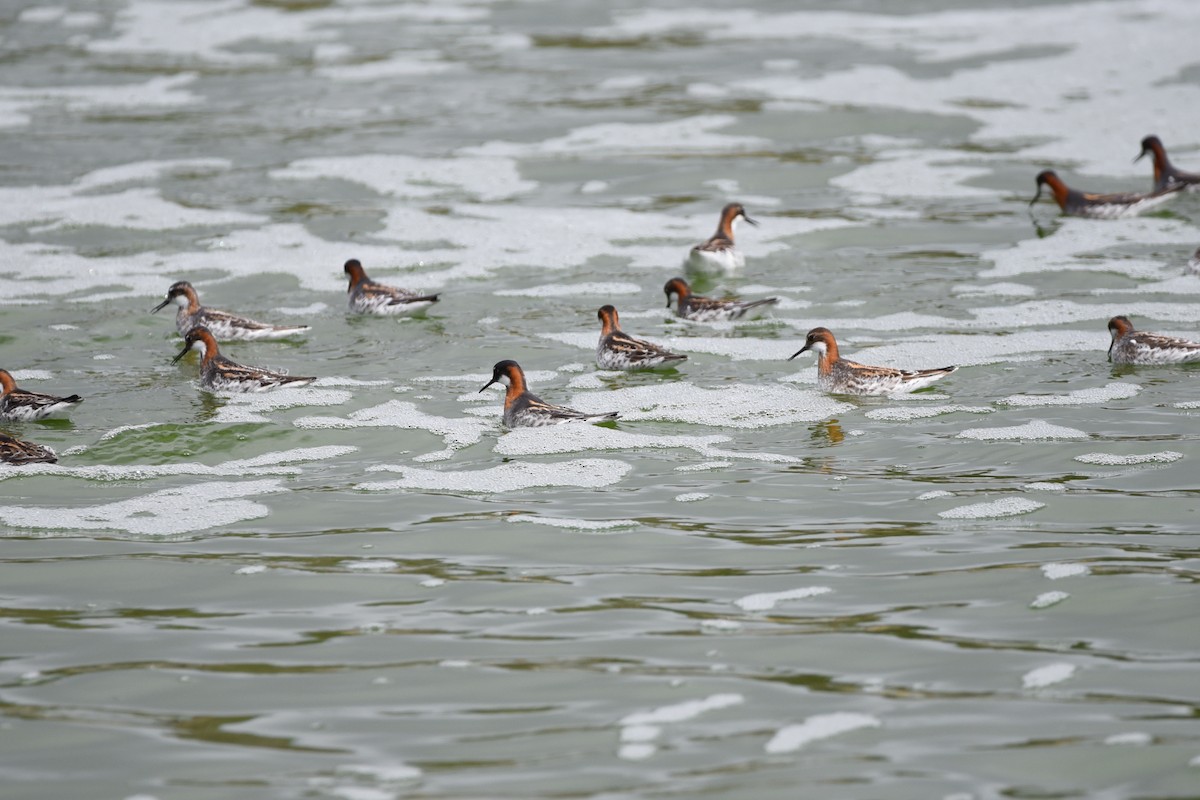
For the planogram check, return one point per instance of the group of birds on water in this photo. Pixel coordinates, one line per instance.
(202, 327)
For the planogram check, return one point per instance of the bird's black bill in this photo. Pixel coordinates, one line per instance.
(751, 221)
(160, 306)
(489, 383)
(798, 352)
(1139, 155)
(182, 353)
(1036, 196)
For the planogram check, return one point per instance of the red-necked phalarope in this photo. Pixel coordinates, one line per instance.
(222, 324)
(16, 452)
(523, 409)
(1165, 173)
(619, 350)
(707, 309)
(369, 297)
(841, 376)
(718, 253)
(1101, 206)
(18, 404)
(219, 373)
(1138, 347)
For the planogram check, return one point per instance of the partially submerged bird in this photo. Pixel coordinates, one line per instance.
(219, 373)
(1165, 173)
(16, 452)
(619, 350)
(222, 324)
(369, 297)
(842, 376)
(1101, 206)
(21, 405)
(708, 309)
(717, 253)
(523, 409)
(1139, 347)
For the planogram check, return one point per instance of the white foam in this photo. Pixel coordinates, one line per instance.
(158, 92)
(935, 494)
(1047, 599)
(720, 624)
(409, 65)
(253, 569)
(574, 438)
(1077, 242)
(768, 600)
(579, 290)
(484, 179)
(370, 565)
(736, 406)
(303, 311)
(1064, 570)
(55, 207)
(819, 726)
(386, 773)
(1004, 507)
(636, 752)
(904, 174)
(432, 583)
(21, 375)
(266, 464)
(704, 466)
(243, 407)
(681, 712)
(1043, 486)
(996, 290)
(163, 513)
(1132, 738)
(1113, 460)
(691, 497)
(689, 134)
(591, 525)
(1078, 397)
(906, 413)
(456, 432)
(589, 473)
(1034, 430)
(1047, 675)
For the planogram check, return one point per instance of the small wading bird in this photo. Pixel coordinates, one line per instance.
(1165, 173)
(16, 452)
(223, 325)
(22, 406)
(838, 375)
(523, 409)
(707, 309)
(219, 373)
(1075, 203)
(619, 350)
(1139, 347)
(718, 254)
(368, 297)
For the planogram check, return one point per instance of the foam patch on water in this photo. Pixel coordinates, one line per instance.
(936, 494)
(456, 432)
(253, 569)
(580, 290)
(902, 174)
(1048, 675)
(244, 407)
(1047, 599)
(587, 473)
(167, 512)
(21, 375)
(996, 290)
(736, 406)
(766, 601)
(681, 712)
(16, 103)
(1043, 486)
(971, 350)
(689, 134)
(1079, 397)
(574, 438)
(1138, 738)
(904, 414)
(704, 466)
(484, 179)
(1114, 460)
(587, 525)
(370, 565)
(1034, 430)
(691, 497)
(1035, 99)
(409, 65)
(266, 464)
(819, 726)
(1005, 507)
(310, 310)
(1064, 570)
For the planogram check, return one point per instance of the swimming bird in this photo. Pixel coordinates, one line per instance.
(1101, 206)
(369, 297)
(523, 409)
(1139, 347)
(718, 252)
(619, 350)
(222, 324)
(707, 309)
(1193, 264)
(220, 374)
(842, 376)
(1165, 173)
(16, 452)
(18, 404)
